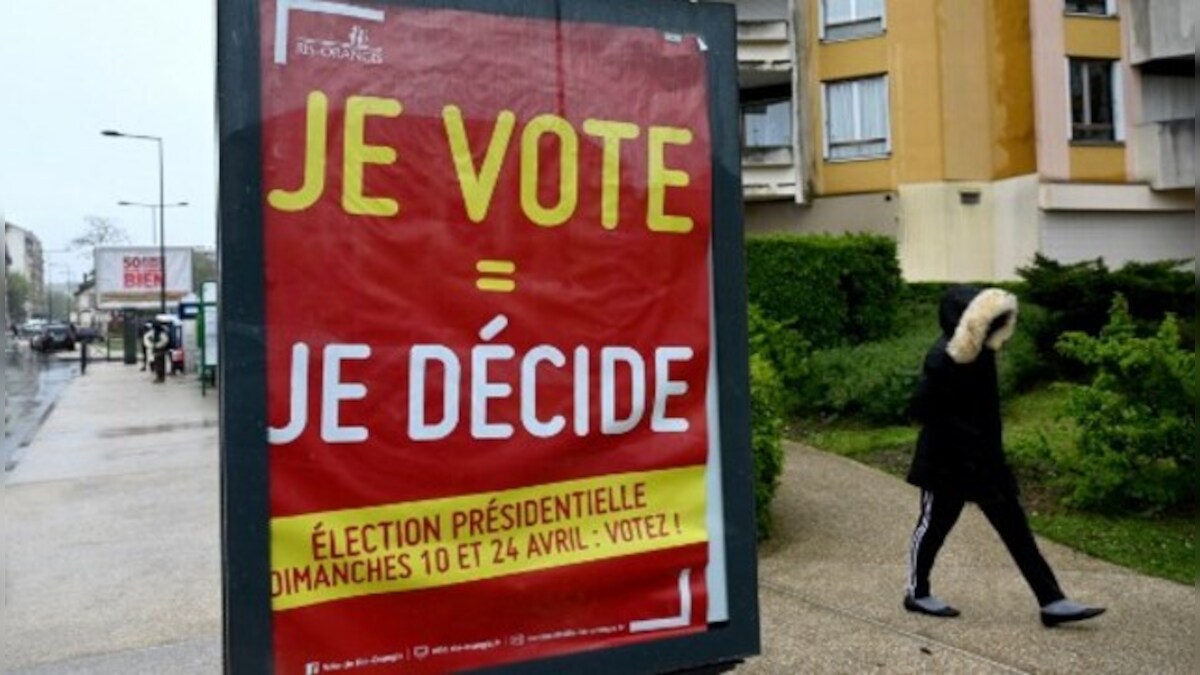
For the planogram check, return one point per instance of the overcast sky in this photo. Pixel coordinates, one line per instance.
(70, 68)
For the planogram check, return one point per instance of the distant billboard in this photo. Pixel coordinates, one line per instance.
(132, 276)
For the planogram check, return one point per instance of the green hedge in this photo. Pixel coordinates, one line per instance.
(788, 353)
(777, 354)
(831, 290)
(874, 381)
(766, 438)
(1077, 298)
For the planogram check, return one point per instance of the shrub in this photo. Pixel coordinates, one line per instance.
(784, 348)
(1136, 447)
(1154, 290)
(1019, 365)
(872, 381)
(1077, 298)
(831, 290)
(871, 284)
(766, 434)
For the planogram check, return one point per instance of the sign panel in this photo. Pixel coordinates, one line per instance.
(132, 277)
(494, 427)
(209, 337)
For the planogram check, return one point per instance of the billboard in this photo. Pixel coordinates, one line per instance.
(497, 412)
(132, 276)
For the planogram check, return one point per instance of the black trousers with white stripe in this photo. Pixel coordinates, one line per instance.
(940, 512)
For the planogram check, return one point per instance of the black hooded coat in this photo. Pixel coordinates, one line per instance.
(960, 450)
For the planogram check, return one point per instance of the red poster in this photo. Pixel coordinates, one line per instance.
(488, 335)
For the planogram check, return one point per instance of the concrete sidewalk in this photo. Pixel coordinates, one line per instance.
(113, 548)
(832, 580)
(114, 562)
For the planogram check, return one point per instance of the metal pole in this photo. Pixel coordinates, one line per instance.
(162, 246)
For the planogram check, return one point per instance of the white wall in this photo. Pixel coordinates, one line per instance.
(1118, 237)
(944, 239)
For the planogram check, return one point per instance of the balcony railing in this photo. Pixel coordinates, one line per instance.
(1164, 156)
(1162, 30)
(768, 173)
(765, 45)
(767, 61)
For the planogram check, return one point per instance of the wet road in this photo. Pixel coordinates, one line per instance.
(32, 383)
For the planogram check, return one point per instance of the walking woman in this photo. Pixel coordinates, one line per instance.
(960, 455)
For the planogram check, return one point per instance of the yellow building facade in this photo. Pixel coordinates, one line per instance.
(977, 134)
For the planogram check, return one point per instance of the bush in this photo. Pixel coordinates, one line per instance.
(831, 290)
(1077, 298)
(1019, 365)
(1136, 447)
(873, 381)
(784, 348)
(766, 434)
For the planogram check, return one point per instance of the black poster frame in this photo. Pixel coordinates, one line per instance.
(245, 514)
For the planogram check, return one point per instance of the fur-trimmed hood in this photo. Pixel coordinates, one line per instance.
(967, 314)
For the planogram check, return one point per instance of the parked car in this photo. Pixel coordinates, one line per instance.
(54, 337)
(31, 328)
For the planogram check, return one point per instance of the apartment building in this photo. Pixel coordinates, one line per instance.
(974, 133)
(24, 250)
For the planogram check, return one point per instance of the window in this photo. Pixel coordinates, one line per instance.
(1095, 105)
(1097, 7)
(856, 118)
(767, 124)
(848, 19)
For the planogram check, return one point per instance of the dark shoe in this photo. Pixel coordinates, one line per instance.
(1065, 611)
(934, 608)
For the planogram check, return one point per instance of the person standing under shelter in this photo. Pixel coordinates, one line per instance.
(960, 455)
(156, 342)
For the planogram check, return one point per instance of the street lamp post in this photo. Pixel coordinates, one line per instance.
(153, 218)
(162, 215)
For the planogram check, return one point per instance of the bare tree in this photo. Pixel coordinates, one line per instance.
(100, 232)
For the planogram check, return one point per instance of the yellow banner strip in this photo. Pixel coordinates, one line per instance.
(322, 557)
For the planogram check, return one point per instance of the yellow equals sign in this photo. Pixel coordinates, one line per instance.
(493, 284)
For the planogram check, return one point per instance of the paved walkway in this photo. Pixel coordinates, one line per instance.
(113, 514)
(831, 583)
(114, 562)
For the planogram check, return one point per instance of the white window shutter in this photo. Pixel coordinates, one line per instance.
(887, 113)
(1110, 7)
(825, 117)
(1067, 89)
